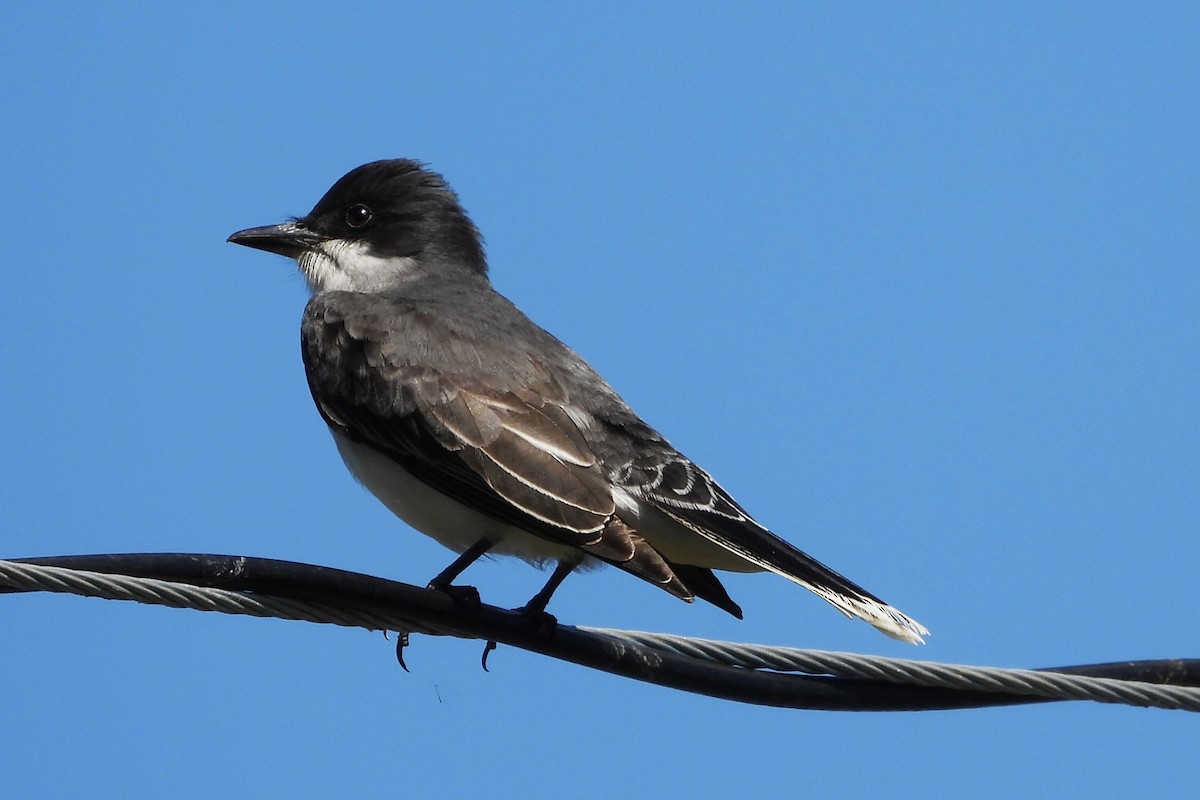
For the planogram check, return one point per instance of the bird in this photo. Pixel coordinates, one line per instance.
(483, 431)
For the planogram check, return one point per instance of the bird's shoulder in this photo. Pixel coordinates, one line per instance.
(452, 327)
(379, 349)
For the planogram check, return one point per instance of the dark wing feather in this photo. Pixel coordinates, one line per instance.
(690, 496)
(522, 456)
(705, 585)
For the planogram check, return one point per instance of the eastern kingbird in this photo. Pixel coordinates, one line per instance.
(480, 429)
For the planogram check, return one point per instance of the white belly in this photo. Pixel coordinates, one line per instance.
(438, 516)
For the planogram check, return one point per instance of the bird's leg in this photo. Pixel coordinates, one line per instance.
(467, 558)
(536, 607)
(537, 604)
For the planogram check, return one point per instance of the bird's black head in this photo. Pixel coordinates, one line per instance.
(378, 224)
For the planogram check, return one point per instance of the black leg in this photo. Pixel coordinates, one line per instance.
(537, 604)
(469, 556)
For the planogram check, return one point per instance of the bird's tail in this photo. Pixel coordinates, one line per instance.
(843, 594)
(768, 552)
(854, 602)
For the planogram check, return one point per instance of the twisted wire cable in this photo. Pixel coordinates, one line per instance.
(744, 672)
(920, 673)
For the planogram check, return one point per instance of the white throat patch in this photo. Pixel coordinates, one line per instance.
(338, 265)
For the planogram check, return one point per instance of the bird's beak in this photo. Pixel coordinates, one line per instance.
(291, 239)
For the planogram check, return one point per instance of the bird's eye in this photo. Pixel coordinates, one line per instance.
(358, 216)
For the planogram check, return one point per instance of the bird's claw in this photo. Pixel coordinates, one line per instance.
(544, 624)
(487, 649)
(401, 643)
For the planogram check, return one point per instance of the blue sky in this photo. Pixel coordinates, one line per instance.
(918, 285)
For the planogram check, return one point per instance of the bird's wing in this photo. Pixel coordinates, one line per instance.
(516, 456)
(689, 495)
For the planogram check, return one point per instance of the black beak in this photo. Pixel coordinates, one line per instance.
(291, 239)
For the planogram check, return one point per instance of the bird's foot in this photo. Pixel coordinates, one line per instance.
(463, 596)
(544, 622)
